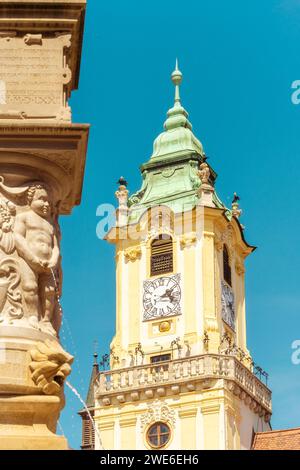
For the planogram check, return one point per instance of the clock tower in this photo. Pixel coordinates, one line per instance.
(181, 376)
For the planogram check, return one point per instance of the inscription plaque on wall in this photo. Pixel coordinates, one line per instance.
(33, 76)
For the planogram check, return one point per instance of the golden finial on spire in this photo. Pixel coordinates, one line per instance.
(176, 79)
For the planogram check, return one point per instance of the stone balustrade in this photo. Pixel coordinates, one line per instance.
(184, 371)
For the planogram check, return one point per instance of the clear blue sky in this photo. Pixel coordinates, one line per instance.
(239, 60)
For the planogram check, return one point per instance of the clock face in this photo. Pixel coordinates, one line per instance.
(228, 309)
(161, 297)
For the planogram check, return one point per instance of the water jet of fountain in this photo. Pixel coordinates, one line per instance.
(64, 322)
(96, 431)
(60, 428)
(73, 389)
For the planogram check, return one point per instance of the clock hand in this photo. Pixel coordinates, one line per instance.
(172, 288)
(168, 294)
(164, 298)
(169, 291)
(164, 295)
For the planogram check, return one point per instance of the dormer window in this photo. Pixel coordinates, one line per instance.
(161, 255)
(226, 266)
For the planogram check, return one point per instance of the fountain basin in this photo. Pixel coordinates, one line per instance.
(28, 416)
(15, 346)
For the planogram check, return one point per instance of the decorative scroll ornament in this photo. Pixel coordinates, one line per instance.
(132, 254)
(239, 267)
(218, 243)
(12, 191)
(227, 237)
(188, 240)
(50, 366)
(158, 411)
(136, 197)
(7, 213)
(168, 172)
(33, 39)
(10, 294)
(156, 231)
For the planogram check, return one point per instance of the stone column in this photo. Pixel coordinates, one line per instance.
(42, 159)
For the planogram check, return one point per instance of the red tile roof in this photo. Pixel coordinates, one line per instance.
(284, 439)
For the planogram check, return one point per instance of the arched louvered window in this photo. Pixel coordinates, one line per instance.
(226, 266)
(161, 255)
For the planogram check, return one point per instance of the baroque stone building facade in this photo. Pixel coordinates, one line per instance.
(181, 376)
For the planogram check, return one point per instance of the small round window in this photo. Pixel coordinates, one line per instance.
(158, 435)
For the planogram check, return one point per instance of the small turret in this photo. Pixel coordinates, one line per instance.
(88, 433)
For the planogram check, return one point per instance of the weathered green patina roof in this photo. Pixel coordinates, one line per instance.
(171, 177)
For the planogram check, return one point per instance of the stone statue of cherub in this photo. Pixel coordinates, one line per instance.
(36, 237)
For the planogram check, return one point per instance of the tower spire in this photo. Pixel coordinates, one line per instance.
(95, 358)
(176, 78)
(177, 136)
(177, 116)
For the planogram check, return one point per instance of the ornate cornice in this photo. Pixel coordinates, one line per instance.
(57, 152)
(128, 422)
(103, 426)
(188, 413)
(210, 408)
